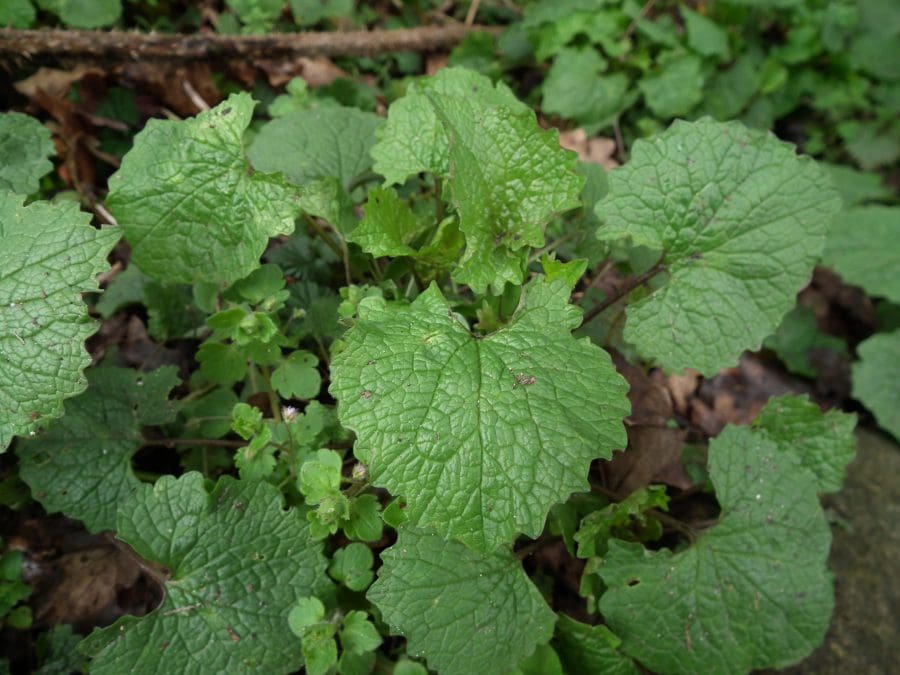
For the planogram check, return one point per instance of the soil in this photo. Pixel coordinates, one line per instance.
(864, 636)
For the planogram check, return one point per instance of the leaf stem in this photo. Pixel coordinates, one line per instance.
(438, 202)
(340, 247)
(635, 282)
(203, 442)
(274, 403)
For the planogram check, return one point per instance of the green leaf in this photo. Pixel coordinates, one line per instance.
(389, 225)
(875, 378)
(480, 435)
(823, 442)
(298, 376)
(413, 140)
(856, 187)
(544, 661)
(190, 206)
(309, 12)
(752, 592)
(623, 520)
(675, 87)
(364, 522)
(126, 288)
(463, 611)
(238, 563)
(797, 337)
(570, 272)
(741, 221)
(24, 145)
(81, 465)
(359, 634)
(590, 649)
(86, 13)
(16, 14)
(319, 649)
(210, 416)
(49, 255)
(330, 141)
(305, 613)
(508, 179)
(352, 566)
(704, 35)
(222, 364)
(863, 246)
(320, 476)
(575, 89)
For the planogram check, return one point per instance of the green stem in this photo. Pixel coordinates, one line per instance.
(438, 202)
(274, 403)
(552, 246)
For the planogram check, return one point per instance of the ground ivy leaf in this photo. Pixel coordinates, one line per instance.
(298, 376)
(823, 442)
(590, 649)
(191, 207)
(413, 140)
(327, 141)
(875, 378)
(741, 220)
(238, 564)
(82, 464)
(24, 145)
(752, 592)
(49, 255)
(862, 247)
(508, 178)
(480, 435)
(463, 611)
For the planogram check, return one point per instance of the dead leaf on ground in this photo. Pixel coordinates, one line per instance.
(598, 150)
(317, 71)
(164, 82)
(82, 579)
(737, 395)
(654, 448)
(435, 62)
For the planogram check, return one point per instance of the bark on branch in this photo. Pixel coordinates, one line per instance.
(43, 46)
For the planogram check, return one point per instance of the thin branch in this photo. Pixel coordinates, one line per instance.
(122, 46)
(213, 442)
(473, 10)
(635, 282)
(640, 15)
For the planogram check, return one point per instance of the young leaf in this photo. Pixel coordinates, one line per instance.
(358, 634)
(327, 141)
(480, 435)
(82, 464)
(590, 649)
(508, 178)
(238, 562)
(49, 255)
(823, 442)
(863, 246)
(191, 207)
(388, 227)
(741, 222)
(463, 611)
(875, 378)
(753, 592)
(24, 145)
(297, 376)
(413, 140)
(352, 566)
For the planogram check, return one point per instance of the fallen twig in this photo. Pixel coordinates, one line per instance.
(120, 46)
